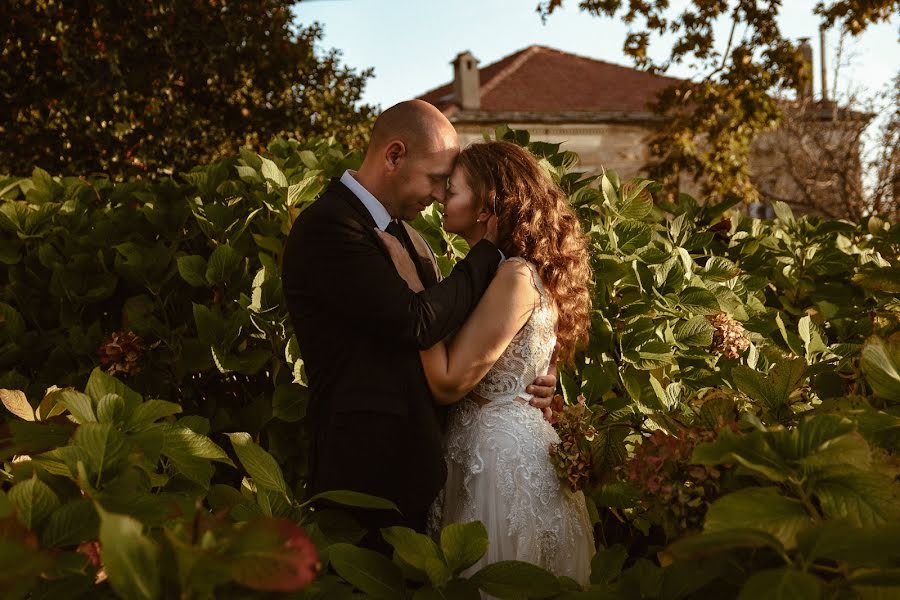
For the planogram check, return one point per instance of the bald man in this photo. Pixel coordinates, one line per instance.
(360, 327)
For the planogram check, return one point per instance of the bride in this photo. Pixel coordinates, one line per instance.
(499, 469)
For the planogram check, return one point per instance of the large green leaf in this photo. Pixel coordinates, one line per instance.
(192, 269)
(697, 331)
(751, 451)
(880, 363)
(79, 405)
(150, 411)
(191, 453)
(99, 384)
(463, 544)
(865, 498)
(104, 445)
(761, 508)
(842, 541)
(222, 263)
(419, 551)
(699, 301)
(772, 389)
(72, 523)
(354, 499)
(782, 584)
(130, 558)
(711, 543)
(259, 464)
(16, 402)
(368, 571)
(34, 501)
(512, 580)
(607, 563)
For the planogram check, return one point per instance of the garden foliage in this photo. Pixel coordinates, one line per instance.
(742, 376)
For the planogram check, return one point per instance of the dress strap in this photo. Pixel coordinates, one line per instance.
(535, 279)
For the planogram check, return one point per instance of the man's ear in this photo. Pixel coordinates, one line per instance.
(394, 154)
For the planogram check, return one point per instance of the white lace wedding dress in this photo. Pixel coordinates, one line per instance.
(498, 462)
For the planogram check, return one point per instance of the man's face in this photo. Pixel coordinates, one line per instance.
(422, 179)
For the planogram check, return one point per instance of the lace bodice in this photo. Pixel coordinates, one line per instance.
(528, 354)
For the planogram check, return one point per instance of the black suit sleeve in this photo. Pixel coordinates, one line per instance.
(341, 263)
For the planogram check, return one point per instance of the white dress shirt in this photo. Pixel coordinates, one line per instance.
(372, 204)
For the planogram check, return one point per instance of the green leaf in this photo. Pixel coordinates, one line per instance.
(289, 402)
(72, 523)
(130, 558)
(712, 543)
(759, 508)
(698, 300)
(222, 263)
(772, 389)
(718, 268)
(271, 171)
(697, 331)
(368, 571)
(880, 363)
(842, 541)
(750, 451)
(511, 580)
(16, 403)
(192, 269)
(632, 235)
(99, 384)
(811, 336)
(865, 498)
(463, 544)
(258, 463)
(111, 409)
(783, 212)
(304, 191)
(12, 325)
(150, 411)
(34, 501)
(607, 563)
(354, 499)
(104, 445)
(419, 551)
(79, 405)
(190, 453)
(782, 584)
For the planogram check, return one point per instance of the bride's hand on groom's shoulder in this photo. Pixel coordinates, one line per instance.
(402, 261)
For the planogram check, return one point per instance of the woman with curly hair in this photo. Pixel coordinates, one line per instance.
(499, 468)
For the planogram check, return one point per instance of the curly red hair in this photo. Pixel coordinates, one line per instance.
(536, 223)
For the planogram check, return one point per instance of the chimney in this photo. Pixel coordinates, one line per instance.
(805, 87)
(466, 85)
(824, 70)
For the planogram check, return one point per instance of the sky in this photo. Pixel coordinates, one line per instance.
(410, 43)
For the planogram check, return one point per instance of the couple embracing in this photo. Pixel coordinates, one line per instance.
(388, 343)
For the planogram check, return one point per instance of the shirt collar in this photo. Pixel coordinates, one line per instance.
(372, 204)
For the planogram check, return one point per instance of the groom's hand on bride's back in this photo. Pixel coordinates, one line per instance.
(544, 387)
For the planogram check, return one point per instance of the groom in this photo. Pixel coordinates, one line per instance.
(360, 328)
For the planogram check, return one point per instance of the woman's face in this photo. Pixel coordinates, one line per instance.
(462, 211)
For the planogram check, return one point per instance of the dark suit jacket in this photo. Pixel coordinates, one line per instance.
(359, 329)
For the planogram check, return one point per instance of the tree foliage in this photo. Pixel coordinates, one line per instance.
(715, 117)
(156, 85)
